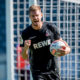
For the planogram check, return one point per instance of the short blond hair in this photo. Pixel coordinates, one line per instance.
(34, 8)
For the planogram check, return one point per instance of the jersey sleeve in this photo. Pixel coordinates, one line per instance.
(55, 31)
(24, 37)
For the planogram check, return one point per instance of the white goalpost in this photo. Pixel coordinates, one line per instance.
(9, 40)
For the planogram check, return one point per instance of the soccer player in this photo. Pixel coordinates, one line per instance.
(37, 39)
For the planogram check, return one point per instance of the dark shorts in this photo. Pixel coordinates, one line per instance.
(51, 75)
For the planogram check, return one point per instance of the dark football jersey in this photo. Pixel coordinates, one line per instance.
(39, 55)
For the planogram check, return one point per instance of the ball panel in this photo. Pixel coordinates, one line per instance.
(53, 52)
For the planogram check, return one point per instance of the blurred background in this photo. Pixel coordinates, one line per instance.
(14, 17)
(3, 53)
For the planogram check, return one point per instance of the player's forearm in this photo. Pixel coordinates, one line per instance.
(24, 52)
(25, 49)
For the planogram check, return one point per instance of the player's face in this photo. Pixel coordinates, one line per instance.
(35, 17)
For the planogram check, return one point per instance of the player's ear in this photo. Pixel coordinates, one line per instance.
(41, 14)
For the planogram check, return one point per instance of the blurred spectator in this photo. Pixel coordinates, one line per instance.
(21, 65)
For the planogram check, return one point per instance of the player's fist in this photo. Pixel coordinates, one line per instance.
(27, 43)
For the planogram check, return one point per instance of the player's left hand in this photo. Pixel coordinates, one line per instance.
(64, 50)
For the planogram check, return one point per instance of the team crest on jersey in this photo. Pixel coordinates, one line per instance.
(47, 33)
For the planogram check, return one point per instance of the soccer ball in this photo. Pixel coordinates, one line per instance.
(56, 45)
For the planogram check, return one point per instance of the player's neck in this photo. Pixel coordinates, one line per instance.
(37, 27)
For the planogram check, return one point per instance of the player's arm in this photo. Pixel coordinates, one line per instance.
(25, 49)
(57, 37)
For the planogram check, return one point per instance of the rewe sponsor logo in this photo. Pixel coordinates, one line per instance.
(42, 44)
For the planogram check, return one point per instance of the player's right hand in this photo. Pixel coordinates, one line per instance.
(27, 43)
(25, 49)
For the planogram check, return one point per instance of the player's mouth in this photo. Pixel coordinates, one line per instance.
(36, 21)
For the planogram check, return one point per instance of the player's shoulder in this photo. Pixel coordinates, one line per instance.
(49, 24)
